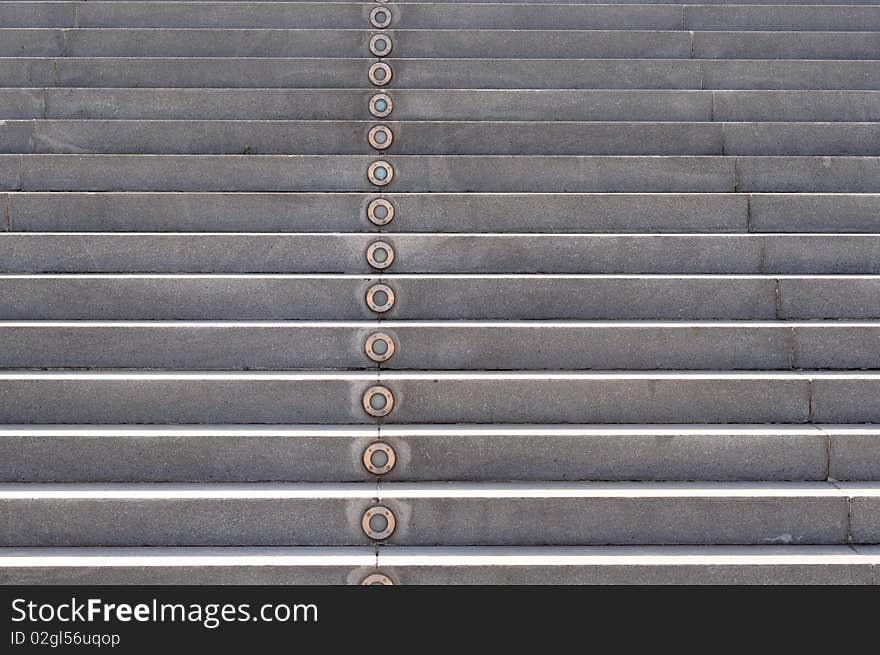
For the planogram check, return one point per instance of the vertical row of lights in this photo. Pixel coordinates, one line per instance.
(378, 522)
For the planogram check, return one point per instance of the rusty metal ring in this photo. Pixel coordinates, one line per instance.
(380, 298)
(377, 579)
(380, 17)
(381, 45)
(381, 105)
(380, 173)
(379, 347)
(379, 450)
(383, 515)
(380, 73)
(380, 137)
(378, 401)
(380, 212)
(380, 255)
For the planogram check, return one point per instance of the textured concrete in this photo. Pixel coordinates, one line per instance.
(864, 512)
(436, 397)
(355, 15)
(407, 44)
(409, 104)
(215, 515)
(415, 212)
(662, 397)
(628, 565)
(412, 173)
(184, 397)
(845, 398)
(854, 452)
(804, 212)
(424, 453)
(219, 453)
(439, 253)
(785, 45)
(837, 345)
(510, 345)
(427, 253)
(341, 297)
(636, 276)
(187, 566)
(591, 452)
(619, 514)
(829, 297)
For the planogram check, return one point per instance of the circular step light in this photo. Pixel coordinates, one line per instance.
(378, 401)
(380, 137)
(381, 105)
(380, 45)
(377, 579)
(379, 347)
(380, 255)
(378, 522)
(380, 17)
(379, 458)
(380, 173)
(380, 73)
(380, 298)
(380, 212)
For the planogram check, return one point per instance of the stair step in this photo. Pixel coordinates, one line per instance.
(558, 213)
(220, 72)
(502, 345)
(625, 565)
(326, 397)
(480, 565)
(408, 44)
(440, 173)
(477, 15)
(449, 565)
(428, 514)
(442, 104)
(439, 138)
(244, 453)
(131, 296)
(71, 252)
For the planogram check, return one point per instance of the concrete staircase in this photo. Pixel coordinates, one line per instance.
(462, 292)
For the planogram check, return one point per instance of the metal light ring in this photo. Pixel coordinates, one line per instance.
(376, 261)
(374, 304)
(389, 106)
(377, 579)
(374, 170)
(381, 391)
(370, 343)
(371, 450)
(376, 46)
(380, 17)
(378, 510)
(373, 208)
(380, 137)
(380, 78)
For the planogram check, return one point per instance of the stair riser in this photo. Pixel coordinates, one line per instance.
(485, 16)
(439, 138)
(442, 104)
(620, 399)
(459, 521)
(495, 253)
(532, 44)
(442, 73)
(438, 212)
(439, 173)
(450, 347)
(431, 457)
(266, 297)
